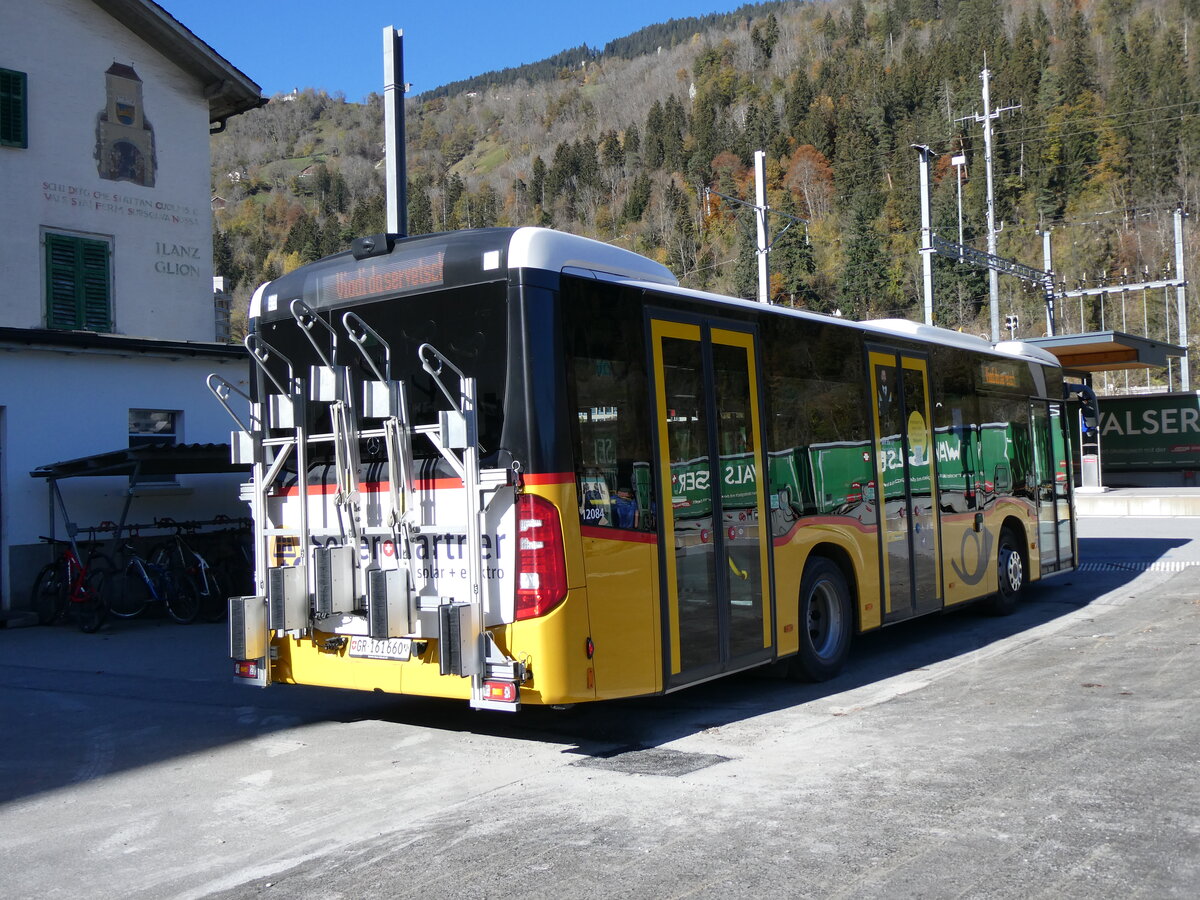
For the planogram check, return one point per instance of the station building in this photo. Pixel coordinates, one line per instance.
(108, 326)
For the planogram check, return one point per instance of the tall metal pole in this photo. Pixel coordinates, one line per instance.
(395, 163)
(760, 216)
(1180, 302)
(986, 120)
(1046, 264)
(926, 235)
(959, 161)
(993, 275)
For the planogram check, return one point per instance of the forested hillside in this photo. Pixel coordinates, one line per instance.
(1102, 144)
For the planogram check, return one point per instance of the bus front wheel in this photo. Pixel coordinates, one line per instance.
(826, 621)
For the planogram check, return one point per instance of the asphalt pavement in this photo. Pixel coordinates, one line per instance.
(1052, 753)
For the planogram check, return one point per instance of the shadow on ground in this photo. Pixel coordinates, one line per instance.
(146, 692)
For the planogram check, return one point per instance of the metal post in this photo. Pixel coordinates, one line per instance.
(993, 275)
(760, 216)
(986, 121)
(1180, 302)
(1049, 268)
(395, 164)
(926, 237)
(959, 161)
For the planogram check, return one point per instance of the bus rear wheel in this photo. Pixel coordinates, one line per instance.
(1010, 575)
(826, 621)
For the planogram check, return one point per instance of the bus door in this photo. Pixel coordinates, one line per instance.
(714, 521)
(904, 469)
(1052, 470)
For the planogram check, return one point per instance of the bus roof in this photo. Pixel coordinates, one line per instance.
(556, 251)
(891, 327)
(467, 257)
(390, 266)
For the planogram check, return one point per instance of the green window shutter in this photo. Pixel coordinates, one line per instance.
(77, 283)
(94, 285)
(13, 131)
(61, 305)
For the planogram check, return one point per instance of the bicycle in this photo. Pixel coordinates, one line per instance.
(68, 584)
(185, 562)
(140, 582)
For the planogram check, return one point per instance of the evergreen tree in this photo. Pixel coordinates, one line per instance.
(745, 269)
(1078, 65)
(304, 239)
(331, 240)
(792, 263)
(368, 216)
(858, 23)
(537, 181)
(612, 154)
(632, 144)
(674, 126)
(764, 36)
(798, 99)
(223, 264)
(862, 282)
(652, 147)
(638, 199)
(420, 209)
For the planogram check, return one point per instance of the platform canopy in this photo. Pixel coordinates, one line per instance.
(1107, 351)
(148, 459)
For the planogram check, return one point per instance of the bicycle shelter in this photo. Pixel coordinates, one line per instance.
(136, 463)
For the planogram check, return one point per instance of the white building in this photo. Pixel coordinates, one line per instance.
(107, 321)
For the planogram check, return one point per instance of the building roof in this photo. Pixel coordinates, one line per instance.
(1107, 351)
(229, 90)
(123, 70)
(116, 344)
(149, 459)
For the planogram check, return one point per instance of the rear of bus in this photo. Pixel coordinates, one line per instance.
(363, 585)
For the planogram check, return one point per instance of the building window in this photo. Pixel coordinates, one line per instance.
(13, 129)
(78, 284)
(153, 428)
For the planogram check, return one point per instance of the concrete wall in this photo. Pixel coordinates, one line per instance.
(64, 405)
(161, 236)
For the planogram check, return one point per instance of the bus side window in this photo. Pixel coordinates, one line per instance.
(606, 386)
(818, 443)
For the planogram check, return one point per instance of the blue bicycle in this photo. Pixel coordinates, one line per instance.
(139, 582)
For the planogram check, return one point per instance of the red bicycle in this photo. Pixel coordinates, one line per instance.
(68, 586)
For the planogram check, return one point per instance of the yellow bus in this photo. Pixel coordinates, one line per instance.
(517, 466)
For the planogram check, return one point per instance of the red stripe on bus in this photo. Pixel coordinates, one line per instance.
(424, 484)
(550, 478)
(618, 534)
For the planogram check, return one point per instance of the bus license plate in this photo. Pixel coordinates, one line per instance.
(388, 648)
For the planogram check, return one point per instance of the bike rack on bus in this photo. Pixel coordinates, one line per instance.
(329, 592)
(386, 399)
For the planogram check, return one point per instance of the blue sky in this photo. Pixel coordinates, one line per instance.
(339, 46)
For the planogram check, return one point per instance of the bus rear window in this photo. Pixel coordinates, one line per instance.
(467, 325)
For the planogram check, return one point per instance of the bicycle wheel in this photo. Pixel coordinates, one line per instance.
(91, 609)
(49, 593)
(214, 603)
(181, 596)
(126, 593)
(101, 565)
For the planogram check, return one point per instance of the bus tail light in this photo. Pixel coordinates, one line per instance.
(500, 691)
(541, 560)
(245, 668)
